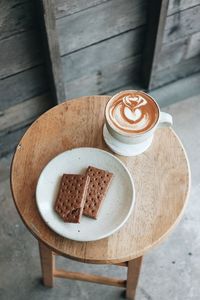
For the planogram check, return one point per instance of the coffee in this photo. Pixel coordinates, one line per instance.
(131, 119)
(132, 112)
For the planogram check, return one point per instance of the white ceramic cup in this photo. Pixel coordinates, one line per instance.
(131, 144)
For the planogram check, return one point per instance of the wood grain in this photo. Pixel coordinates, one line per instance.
(23, 113)
(176, 6)
(176, 42)
(122, 264)
(106, 20)
(15, 120)
(12, 90)
(172, 53)
(47, 260)
(90, 277)
(109, 77)
(193, 48)
(16, 16)
(104, 66)
(176, 52)
(177, 59)
(159, 205)
(182, 24)
(69, 7)
(9, 141)
(97, 57)
(177, 71)
(19, 53)
(133, 273)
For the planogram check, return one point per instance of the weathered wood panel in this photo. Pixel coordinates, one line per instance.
(9, 141)
(179, 50)
(69, 7)
(16, 16)
(22, 86)
(19, 52)
(182, 24)
(172, 53)
(22, 77)
(193, 45)
(109, 78)
(98, 56)
(15, 121)
(177, 71)
(23, 113)
(178, 5)
(99, 23)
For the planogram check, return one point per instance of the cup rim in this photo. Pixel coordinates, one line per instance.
(131, 135)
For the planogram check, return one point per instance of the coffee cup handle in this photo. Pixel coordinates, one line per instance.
(165, 120)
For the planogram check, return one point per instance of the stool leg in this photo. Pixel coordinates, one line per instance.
(47, 260)
(132, 277)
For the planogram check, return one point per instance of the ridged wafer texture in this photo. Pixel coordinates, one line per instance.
(71, 197)
(97, 189)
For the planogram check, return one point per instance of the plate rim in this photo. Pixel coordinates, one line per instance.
(109, 233)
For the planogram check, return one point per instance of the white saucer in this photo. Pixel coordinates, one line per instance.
(116, 208)
(125, 149)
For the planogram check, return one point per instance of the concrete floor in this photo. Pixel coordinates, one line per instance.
(170, 271)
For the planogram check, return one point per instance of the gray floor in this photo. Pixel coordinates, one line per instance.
(170, 271)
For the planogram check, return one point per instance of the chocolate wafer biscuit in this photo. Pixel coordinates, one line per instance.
(71, 197)
(98, 186)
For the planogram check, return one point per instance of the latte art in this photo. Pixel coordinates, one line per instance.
(132, 112)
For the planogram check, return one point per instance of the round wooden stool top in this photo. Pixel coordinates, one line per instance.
(161, 176)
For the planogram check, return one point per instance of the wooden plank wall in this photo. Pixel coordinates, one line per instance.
(101, 44)
(23, 79)
(180, 51)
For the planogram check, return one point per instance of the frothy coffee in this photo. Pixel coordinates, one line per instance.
(132, 112)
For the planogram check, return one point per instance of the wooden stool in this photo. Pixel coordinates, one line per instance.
(161, 176)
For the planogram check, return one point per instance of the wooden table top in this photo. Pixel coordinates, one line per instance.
(161, 176)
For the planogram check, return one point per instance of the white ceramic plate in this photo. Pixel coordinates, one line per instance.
(117, 205)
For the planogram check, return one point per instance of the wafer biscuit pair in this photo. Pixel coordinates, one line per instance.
(82, 194)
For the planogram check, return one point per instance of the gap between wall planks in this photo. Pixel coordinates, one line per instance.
(151, 60)
(55, 56)
(157, 13)
(156, 18)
